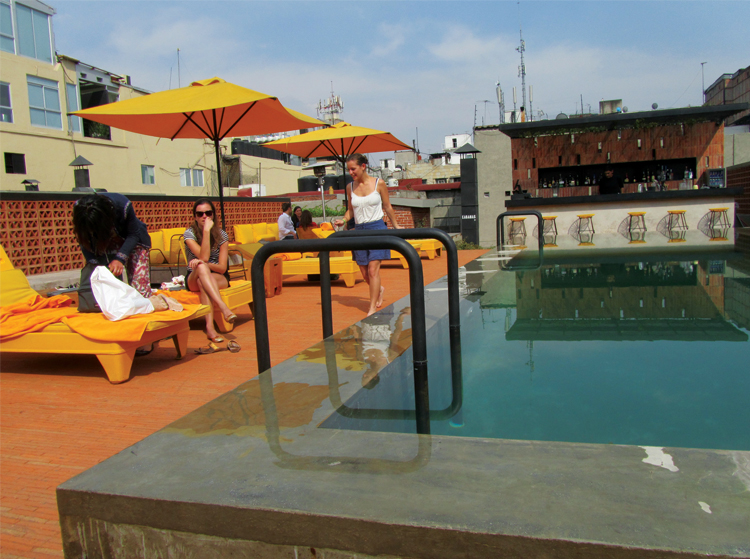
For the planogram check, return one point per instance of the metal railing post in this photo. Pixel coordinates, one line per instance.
(501, 229)
(416, 289)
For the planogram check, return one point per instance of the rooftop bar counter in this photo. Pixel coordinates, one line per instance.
(611, 211)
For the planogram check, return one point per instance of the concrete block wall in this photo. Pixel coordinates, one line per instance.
(36, 230)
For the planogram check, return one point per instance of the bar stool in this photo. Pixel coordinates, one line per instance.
(549, 225)
(676, 220)
(636, 221)
(718, 217)
(585, 223)
(517, 226)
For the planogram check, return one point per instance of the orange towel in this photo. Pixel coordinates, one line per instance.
(183, 296)
(33, 314)
(95, 327)
(37, 312)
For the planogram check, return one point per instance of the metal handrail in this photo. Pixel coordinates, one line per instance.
(416, 288)
(454, 300)
(501, 229)
(454, 319)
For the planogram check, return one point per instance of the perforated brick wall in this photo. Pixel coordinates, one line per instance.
(37, 231)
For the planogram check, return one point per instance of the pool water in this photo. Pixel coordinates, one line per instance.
(650, 352)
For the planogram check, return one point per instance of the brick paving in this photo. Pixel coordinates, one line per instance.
(59, 415)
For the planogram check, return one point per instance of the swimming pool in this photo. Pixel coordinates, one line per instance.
(254, 473)
(648, 350)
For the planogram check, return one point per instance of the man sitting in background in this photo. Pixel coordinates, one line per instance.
(286, 227)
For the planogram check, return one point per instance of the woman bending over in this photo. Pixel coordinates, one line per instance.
(207, 247)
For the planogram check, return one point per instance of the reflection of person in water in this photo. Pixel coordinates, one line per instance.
(381, 344)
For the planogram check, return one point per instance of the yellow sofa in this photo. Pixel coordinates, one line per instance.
(294, 264)
(255, 232)
(116, 357)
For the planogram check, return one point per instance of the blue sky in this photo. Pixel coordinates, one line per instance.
(402, 66)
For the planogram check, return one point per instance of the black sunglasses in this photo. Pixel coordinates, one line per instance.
(209, 213)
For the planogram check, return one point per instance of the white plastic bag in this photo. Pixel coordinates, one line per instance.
(116, 299)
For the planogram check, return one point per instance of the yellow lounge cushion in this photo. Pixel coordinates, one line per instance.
(173, 244)
(157, 242)
(243, 234)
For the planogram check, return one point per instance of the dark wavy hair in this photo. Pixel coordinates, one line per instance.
(358, 158)
(198, 230)
(94, 223)
(305, 219)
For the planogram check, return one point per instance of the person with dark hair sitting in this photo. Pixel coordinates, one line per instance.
(108, 230)
(296, 216)
(306, 226)
(207, 247)
(286, 227)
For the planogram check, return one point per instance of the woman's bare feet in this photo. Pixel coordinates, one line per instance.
(380, 298)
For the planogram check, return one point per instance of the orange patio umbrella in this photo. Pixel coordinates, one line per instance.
(211, 109)
(340, 141)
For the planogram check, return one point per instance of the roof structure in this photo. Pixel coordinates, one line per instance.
(613, 121)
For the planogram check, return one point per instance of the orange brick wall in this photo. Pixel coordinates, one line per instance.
(738, 176)
(37, 233)
(680, 141)
(411, 217)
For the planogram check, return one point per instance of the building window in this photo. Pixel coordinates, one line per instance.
(185, 179)
(533, 162)
(71, 97)
(455, 142)
(33, 33)
(198, 177)
(441, 181)
(515, 164)
(147, 174)
(191, 177)
(44, 103)
(6, 29)
(15, 163)
(6, 110)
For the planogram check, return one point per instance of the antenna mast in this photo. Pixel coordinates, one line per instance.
(331, 108)
(522, 68)
(179, 84)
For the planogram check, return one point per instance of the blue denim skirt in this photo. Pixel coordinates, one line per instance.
(364, 257)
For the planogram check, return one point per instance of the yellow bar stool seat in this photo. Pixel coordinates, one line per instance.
(719, 217)
(517, 226)
(676, 220)
(636, 221)
(550, 225)
(585, 222)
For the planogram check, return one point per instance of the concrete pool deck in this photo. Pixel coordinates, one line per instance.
(251, 474)
(60, 416)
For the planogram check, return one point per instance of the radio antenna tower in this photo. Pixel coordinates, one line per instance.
(330, 109)
(522, 68)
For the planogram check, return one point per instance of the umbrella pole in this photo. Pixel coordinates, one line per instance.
(221, 190)
(322, 196)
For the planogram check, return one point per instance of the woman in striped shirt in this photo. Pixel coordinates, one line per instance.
(207, 247)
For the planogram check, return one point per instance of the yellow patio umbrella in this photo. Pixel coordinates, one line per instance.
(211, 109)
(340, 141)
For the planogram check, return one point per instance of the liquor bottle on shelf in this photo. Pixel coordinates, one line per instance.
(627, 180)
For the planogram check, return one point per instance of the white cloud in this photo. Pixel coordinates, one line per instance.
(389, 39)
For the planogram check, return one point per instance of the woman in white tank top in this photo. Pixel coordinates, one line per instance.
(368, 202)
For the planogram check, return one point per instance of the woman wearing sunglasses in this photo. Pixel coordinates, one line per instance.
(207, 247)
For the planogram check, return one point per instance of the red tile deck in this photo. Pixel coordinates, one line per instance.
(59, 415)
